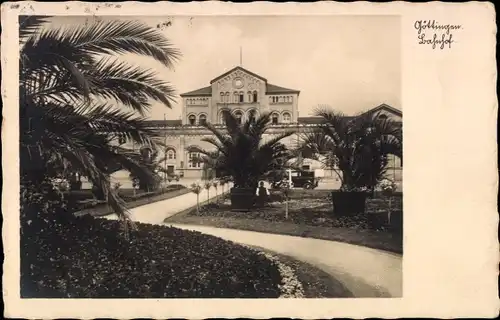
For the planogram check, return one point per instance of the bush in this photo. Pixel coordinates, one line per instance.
(86, 258)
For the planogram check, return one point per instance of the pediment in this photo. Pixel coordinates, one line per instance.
(238, 79)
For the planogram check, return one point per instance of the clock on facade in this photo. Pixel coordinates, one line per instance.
(238, 83)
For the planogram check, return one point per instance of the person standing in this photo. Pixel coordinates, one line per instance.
(262, 194)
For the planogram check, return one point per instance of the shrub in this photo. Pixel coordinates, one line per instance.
(86, 258)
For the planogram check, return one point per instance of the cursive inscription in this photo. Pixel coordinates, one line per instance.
(430, 32)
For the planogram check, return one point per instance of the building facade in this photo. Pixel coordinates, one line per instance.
(240, 92)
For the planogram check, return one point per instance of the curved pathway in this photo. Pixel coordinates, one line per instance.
(156, 212)
(365, 272)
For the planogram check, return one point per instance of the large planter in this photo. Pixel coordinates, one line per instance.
(242, 199)
(346, 203)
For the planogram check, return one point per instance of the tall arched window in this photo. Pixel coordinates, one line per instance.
(236, 97)
(202, 119)
(274, 118)
(271, 99)
(171, 154)
(252, 115)
(238, 115)
(192, 119)
(241, 99)
(286, 117)
(227, 98)
(222, 97)
(255, 96)
(249, 94)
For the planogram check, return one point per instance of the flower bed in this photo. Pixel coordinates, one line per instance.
(309, 211)
(86, 258)
(309, 217)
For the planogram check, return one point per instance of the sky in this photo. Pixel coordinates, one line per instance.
(350, 63)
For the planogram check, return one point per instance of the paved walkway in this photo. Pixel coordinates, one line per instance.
(157, 212)
(363, 271)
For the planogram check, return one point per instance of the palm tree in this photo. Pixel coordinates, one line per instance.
(356, 148)
(154, 165)
(75, 100)
(241, 153)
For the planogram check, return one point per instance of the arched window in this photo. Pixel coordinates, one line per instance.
(192, 120)
(271, 99)
(249, 94)
(202, 119)
(171, 154)
(222, 97)
(286, 117)
(382, 117)
(194, 160)
(274, 118)
(255, 96)
(227, 97)
(236, 97)
(238, 115)
(241, 97)
(252, 115)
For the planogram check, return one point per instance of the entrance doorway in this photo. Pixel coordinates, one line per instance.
(170, 170)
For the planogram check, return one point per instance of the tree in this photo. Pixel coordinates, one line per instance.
(240, 151)
(196, 189)
(74, 100)
(215, 184)
(154, 165)
(356, 148)
(207, 186)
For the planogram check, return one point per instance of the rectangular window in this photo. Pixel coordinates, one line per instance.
(194, 160)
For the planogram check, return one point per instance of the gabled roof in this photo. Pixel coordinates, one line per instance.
(241, 69)
(386, 107)
(273, 89)
(319, 120)
(202, 92)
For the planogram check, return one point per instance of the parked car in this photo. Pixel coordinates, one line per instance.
(300, 179)
(304, 179)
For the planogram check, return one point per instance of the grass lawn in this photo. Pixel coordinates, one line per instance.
(309, 216)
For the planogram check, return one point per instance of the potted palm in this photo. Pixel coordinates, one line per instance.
(241, 154)
(356, 149)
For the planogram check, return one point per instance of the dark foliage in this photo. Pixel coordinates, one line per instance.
(68, 257)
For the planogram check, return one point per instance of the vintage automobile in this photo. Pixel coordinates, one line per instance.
(304, 179)
(300, 179)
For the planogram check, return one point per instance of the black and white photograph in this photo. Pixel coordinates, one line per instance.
(207, 157)
(170, 156)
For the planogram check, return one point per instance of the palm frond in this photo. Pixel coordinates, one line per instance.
(122, 37)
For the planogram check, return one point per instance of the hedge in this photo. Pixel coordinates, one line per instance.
(86, 257)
